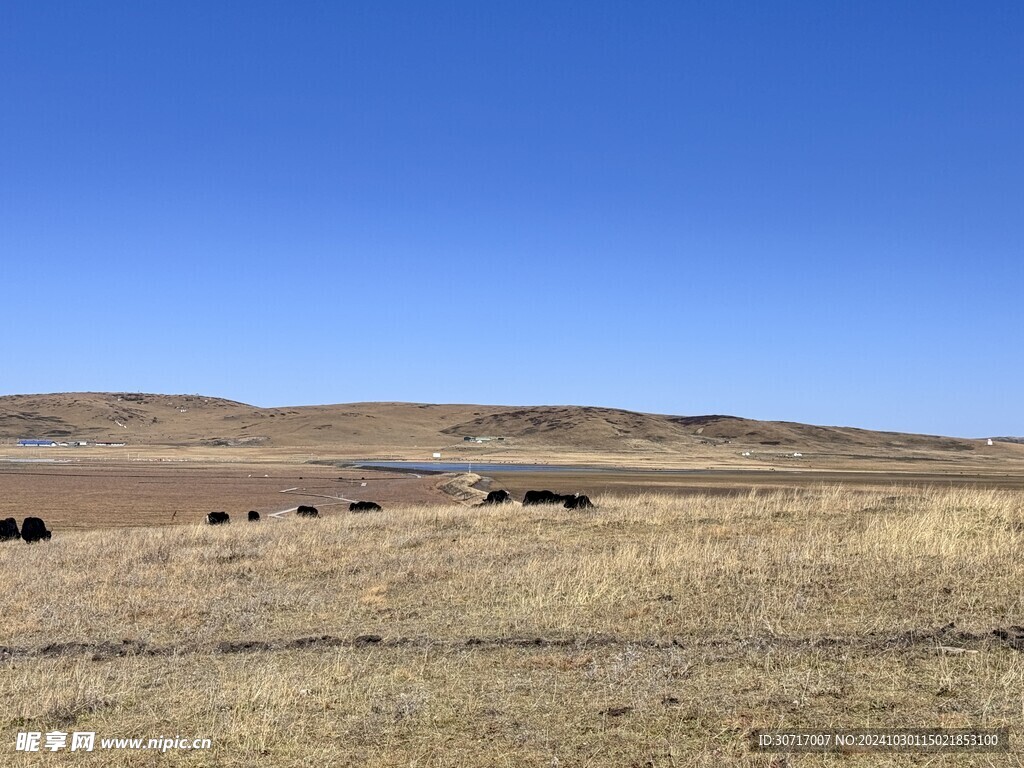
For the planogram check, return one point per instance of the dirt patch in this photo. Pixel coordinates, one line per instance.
(460, 488)
(945, 637)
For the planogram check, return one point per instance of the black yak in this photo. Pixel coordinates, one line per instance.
(544, 497)
(364, 506)
(9, 529)
(498, 497)
(34, 529)
(579, 502)
(218, 518)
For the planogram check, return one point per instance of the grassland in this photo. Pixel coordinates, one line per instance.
(192, 427)
(653, 631)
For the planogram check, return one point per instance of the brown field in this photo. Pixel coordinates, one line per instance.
(115, 493)
(128, 494)
(654, 631)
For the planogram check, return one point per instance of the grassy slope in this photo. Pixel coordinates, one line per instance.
(550, 433)
(512, 636)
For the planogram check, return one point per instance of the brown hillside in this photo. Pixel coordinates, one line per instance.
(550, 433)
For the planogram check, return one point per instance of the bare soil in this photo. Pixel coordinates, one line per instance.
(120, 494)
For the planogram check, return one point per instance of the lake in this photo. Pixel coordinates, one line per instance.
(465, 466)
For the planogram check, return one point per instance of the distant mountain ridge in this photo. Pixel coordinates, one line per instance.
(365, 428)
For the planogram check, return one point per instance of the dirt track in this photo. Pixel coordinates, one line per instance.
(934, 639)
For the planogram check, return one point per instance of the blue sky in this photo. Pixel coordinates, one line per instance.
(809, 211)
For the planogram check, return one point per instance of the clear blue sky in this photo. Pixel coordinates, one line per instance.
(810, 211)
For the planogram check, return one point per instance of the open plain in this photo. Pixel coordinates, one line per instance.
(179, 456)
(709, 594)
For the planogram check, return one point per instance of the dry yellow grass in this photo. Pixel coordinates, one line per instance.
(212, 430)
(652, 631)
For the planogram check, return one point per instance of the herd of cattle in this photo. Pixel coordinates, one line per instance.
(569, 501)
(303, 510)
(33, 529)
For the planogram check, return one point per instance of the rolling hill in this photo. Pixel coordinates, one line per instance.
(504, 432)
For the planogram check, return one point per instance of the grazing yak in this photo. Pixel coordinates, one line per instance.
(498, 497)
(304, 511)
(217, 518)
(254, 516)
(538, 497)
(543, 497)
(34, 529)
(579, 502)
(9, 529)
(364, 506)
(567, 500)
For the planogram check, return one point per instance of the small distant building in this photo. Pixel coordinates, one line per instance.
(437, 455)
(798, 455)
(36, 443)
(990, 441)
